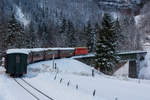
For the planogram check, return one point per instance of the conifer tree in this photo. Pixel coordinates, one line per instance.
(89, 32)
(31, 37)
(14, 37)
(71, 34)
(44, 35)
(63, 26)
(3, 31)
(91, 36)
(94, 36)
(62, 32)
(106, 45)
(119, 36)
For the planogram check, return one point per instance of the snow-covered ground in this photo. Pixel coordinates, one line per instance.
(123, 71)
(41, 75)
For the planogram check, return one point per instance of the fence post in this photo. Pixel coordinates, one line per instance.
(68, 83)
(55, 77)
(94, 92)
(77, 86)
(93, 73)
(53, 60)
(55, 66)
(60, 80)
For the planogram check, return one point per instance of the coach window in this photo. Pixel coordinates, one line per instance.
(17, 59)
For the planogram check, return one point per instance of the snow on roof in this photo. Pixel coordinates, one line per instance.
(44, 49)
(85, 56)
(62, 48)
(24, 51)
(27, 51)
(36, 49)
(132, 52)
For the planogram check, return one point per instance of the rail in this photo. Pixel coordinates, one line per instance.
(37, 98)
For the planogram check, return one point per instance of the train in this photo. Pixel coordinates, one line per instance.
(16, 60)
(35, 56)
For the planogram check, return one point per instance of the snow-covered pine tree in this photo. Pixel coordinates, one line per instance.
(94, 36)
(3, 31)
(14, 37)
(106, 45)
(89, 32)
(71, 34)
(39, 34)
(44, 35)
(32, 39)
(62, 32)
(119, 36)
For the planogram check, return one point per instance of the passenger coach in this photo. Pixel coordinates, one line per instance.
(16, 60)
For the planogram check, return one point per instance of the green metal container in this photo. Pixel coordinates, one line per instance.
(16, 63)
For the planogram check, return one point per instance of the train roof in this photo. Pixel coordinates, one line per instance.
(11, 51)
(62, 48)
(45, 49)
(27, 51)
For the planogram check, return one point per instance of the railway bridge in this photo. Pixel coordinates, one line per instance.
(133, 57)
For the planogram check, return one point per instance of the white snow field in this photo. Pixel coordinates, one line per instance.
(41, 75)
(123, 71)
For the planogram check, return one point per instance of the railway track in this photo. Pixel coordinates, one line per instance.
(34, 92)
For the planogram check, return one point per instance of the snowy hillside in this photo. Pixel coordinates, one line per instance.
(42, 20)
(42, 74)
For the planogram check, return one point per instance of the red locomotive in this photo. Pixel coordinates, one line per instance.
(80, 51)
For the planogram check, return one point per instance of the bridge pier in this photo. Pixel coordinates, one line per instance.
(133, 69)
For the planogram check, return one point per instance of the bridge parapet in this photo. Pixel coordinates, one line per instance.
(132, 55)
(124, 56)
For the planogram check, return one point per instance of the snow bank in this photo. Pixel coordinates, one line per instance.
(145, 68)
(41, 75)
(138, 19)
(146, 46)
(84, 56)
(75, 72)
(66, 65)
(10, 90)
(123, 71)
(60, 91)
